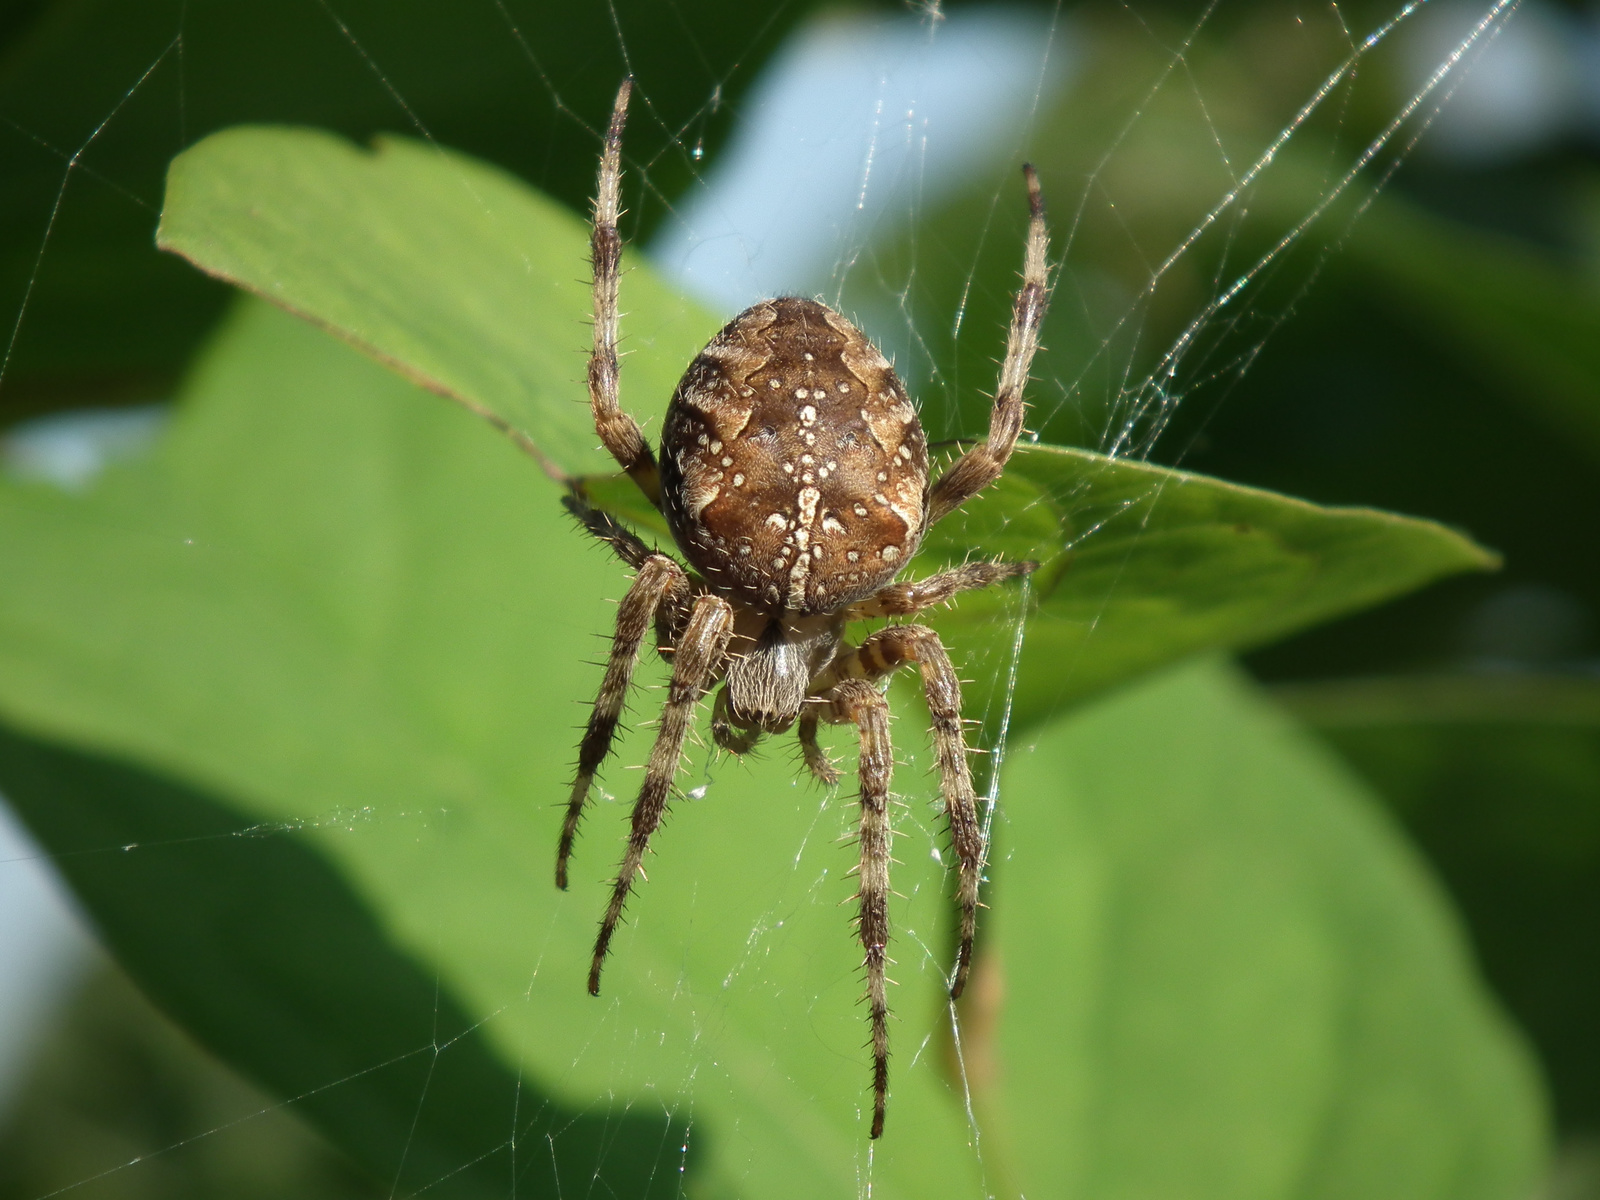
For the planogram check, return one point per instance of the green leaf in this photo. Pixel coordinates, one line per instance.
(338, 608)
(1247, 987)
(335, 631)
(305, 990)
(448, 270)
(1145, 565)
(1141, 566)
(469, 283)
(1497, 776)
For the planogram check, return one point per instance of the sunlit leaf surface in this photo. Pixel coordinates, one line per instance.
(1245, 987)
(461, 278)
(1143, 565)
(294, 702)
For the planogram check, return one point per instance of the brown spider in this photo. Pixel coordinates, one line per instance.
(794, 477)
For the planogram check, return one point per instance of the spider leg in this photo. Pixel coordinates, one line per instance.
(619, 432)
(660, 583)
(981, 466)
(903, 599)
(857, 702)
(882, 654)
(629, 546)
(697, 658)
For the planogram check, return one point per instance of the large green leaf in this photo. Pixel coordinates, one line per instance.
(337, 606)
(467, 283)
(326, 647)
(1250, 988)
(255, 942)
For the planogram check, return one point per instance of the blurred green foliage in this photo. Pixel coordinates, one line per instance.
(1441, 361)
(519, 83)
(116, 1081)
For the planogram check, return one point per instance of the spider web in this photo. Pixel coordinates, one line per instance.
(855, 136)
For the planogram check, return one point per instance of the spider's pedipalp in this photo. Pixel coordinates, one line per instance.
(727, 734)
(700, 656)
(660, 583)
(816, 759)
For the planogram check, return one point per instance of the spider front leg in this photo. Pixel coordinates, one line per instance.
(699, 655)
(882, 654)
(660, 583)
(857, 702)
(903, 599)
(602, 526)
(619, 432)
(982, 465)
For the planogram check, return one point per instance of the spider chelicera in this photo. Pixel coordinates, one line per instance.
(794, 478)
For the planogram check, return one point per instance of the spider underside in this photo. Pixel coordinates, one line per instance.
(794, 478)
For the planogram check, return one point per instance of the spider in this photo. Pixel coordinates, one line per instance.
(794, 478)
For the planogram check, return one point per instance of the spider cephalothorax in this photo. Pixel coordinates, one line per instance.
(794, 478)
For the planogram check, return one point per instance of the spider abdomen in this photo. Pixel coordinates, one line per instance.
(794, 470)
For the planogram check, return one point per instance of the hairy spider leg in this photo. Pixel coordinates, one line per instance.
(882, 654)
(619, 432)
(698, 657)
(602, 526)
(660, 582)
(982, 465)
(914, 595)
(857, 702)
